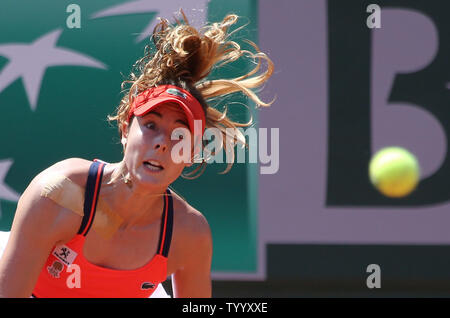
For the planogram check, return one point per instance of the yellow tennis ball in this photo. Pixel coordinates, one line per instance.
(394, 171)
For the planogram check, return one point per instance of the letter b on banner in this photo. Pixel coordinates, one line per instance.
(350, 101)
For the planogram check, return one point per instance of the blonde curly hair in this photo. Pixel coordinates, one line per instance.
(185, 56)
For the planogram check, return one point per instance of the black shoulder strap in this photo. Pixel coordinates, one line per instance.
(165, 235)
(93, 185)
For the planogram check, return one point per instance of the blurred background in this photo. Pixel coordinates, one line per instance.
(347, 83)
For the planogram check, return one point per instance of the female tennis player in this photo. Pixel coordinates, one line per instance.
(94, 229)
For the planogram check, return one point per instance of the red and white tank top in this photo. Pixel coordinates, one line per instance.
(67, 273)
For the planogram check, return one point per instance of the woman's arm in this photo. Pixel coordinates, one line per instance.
(193, 279)
(39, 224)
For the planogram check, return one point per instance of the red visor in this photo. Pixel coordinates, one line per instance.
(155, 96)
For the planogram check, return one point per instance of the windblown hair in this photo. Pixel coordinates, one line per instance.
(184, 56)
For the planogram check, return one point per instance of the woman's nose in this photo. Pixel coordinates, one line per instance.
(161, 142)
(161, 146)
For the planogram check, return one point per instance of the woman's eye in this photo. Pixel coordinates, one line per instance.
(150, 125)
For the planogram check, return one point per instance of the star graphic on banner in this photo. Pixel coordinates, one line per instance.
(6, 193)
(30, 61)
(164, 9)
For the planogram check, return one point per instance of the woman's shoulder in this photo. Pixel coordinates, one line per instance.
(75, 169)
(192, 235)
(36, 205)
(188, 219)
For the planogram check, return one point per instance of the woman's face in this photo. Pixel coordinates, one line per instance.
(148, 143)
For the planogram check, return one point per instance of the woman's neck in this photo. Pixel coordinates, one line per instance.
(135, 204)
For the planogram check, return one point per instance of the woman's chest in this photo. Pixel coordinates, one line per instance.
(126, 250)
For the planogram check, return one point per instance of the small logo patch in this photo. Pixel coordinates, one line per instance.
(64, 254)
(176, 92)
(147, 285)
(55, 269)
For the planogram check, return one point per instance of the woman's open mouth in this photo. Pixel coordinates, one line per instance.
(153, 165)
